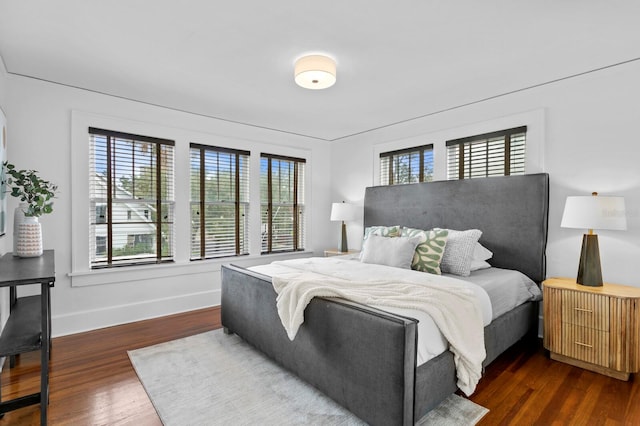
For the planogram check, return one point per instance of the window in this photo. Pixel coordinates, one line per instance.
(101, 246)
(101, 213)
(492, 154)
(407, 165)
(131, 199)
(219, 202)
(282, 203)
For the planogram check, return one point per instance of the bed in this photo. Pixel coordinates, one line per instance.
(365, 358)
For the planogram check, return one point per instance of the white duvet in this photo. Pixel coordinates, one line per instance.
(460, 309)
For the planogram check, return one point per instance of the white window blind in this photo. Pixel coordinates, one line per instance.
(282, 203)
(499, 153)
(407, 165)
(219, 202)
(131, 187)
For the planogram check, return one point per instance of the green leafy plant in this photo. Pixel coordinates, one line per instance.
(31, 189)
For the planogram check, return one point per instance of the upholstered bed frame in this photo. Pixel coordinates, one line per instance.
(364, 358)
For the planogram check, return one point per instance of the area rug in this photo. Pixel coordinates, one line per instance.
(217, 379)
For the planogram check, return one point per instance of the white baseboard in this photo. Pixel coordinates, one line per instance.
(81, 321)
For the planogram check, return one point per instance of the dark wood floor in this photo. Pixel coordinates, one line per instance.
(93, 383)
(525, 387)
(91, 380)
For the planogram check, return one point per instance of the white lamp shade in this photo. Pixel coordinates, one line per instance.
(315, 72)
(343, 211)
(594, 212)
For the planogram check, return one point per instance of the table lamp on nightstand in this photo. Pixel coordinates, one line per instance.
(593, 212)
(343, 212)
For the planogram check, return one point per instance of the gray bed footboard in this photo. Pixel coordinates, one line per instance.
(338, 348)
(436, 379)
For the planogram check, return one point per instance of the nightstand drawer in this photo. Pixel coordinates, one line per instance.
(585, 344)
(586, 310)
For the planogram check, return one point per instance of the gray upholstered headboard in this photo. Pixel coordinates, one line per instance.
(510, 211)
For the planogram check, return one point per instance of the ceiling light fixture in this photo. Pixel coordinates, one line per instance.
(315, 72)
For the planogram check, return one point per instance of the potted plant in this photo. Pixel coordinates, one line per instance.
(36, 198)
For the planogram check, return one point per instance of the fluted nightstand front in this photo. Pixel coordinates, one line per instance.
(596, 328)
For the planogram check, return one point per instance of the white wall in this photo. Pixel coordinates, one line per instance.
(45, 120)
(4, 240)
(3, 106)
(588, 128)
(3, 84)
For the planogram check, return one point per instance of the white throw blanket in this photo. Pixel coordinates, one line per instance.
(453, 307)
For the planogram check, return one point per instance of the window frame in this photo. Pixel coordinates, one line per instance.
(237, 202)
(298, 236)
(160, 201)
(392, 154)
(467, 141)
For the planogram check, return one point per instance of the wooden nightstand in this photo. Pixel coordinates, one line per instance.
(336, 252)
(595, 328)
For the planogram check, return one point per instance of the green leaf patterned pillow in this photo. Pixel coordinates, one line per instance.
(429, 252)
(382, 231)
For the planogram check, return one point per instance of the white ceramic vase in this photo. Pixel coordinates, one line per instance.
(29, 238)
(18, 218)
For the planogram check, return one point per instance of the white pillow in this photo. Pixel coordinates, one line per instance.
(479, 264)
(480, 252)
(383, 231)
(396, 251)
(458, 253)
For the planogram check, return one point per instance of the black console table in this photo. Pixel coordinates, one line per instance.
(29, 325)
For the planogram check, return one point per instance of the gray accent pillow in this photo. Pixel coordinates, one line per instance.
(459, 251)
(397, 252)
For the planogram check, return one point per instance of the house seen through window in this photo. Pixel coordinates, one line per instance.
(131, 199)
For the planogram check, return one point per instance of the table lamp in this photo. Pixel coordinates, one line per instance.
(593, 212)
(343, 212)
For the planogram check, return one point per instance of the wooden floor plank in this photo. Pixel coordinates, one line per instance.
(93, 382)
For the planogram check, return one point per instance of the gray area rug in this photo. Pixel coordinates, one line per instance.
(216, 379)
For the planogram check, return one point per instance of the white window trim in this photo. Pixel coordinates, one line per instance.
(81, 273)
(534, 161)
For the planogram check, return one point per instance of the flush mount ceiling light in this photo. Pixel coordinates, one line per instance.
(315, 72)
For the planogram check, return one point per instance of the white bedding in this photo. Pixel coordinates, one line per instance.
(507, 287)
(431, 342)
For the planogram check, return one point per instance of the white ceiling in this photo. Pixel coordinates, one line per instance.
(233, 60)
